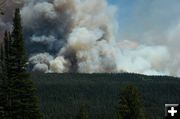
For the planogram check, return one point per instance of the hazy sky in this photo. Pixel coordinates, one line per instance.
(139, 17)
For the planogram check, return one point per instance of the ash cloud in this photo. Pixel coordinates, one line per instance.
(82, 36)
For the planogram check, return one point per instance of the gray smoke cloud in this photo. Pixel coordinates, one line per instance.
(6, 20)
(82, 36)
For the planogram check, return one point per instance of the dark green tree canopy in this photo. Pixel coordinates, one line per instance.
(83, 112)
(130, 104)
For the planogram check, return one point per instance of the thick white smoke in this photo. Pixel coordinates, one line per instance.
(82, 36)
(92, 30)
(91, 45)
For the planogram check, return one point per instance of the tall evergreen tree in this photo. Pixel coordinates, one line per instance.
(20, 100)
(25, 103)
(130, 104)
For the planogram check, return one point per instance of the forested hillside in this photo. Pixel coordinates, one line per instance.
(62, 94)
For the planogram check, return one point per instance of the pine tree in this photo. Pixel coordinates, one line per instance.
(130, 104)
(25, 103)
(20, 100)
(83, 112)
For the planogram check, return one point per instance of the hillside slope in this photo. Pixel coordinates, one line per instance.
(62, 94)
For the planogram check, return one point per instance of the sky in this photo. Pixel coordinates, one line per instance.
(139, 17)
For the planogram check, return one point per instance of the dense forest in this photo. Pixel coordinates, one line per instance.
(63, 94)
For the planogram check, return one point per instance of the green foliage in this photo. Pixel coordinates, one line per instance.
(3, 81)
(83, 112)
(1, 58)
(18, 43)
(18, 94)
(130, 104)
(61, 94)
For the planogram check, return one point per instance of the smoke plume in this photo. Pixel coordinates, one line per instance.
(82, 36)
